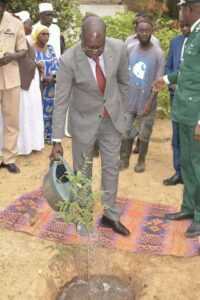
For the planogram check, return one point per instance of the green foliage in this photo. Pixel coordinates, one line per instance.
(165, 32)
(79, 210)
(67, 13)
(164, 103)
(30, 5)
(120, 26)
(69, 19)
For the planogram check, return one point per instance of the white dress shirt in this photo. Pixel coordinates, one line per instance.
(93, 65)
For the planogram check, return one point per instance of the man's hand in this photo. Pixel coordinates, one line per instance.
(197, 132)
(147, 108)
(49, 79)
(158, 85)
(57, 150)
(40, 66)
(149, 104)
(7, 58)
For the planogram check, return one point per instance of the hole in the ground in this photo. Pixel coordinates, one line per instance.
(100, 287)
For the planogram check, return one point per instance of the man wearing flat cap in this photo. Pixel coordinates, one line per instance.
(12, 47)
(186, 111)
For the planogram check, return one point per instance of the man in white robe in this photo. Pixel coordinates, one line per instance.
(47, 14)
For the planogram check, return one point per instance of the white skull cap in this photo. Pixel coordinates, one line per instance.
(23, 15)
(45, 7)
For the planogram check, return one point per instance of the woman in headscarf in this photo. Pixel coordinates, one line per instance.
(45, 54)
(31, 133)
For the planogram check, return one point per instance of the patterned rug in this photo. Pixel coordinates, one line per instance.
(151, 233)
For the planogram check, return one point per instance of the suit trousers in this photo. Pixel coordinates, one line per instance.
(9, 106)
(109, 141)
(190, 170)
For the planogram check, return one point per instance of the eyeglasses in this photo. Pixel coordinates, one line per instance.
(92, 50)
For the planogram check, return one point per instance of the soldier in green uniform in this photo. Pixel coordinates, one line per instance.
(186, 111)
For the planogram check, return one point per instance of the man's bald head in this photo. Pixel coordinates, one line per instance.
(92, 24)
(93, 36)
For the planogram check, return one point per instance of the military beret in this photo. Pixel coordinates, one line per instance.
(187, 2)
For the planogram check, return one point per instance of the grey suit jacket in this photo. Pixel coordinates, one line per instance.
(77, 88)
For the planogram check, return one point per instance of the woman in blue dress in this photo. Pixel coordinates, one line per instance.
(46, 57)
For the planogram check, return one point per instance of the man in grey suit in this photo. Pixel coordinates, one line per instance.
(95, 73)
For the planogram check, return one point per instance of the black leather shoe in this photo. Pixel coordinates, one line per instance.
(178, 216)
(116, 226)
(175, 179)
(12, 168)
(193, 230)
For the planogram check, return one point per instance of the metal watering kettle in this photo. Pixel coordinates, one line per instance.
(56, 184)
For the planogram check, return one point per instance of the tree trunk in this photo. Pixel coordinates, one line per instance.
(172, 8)
(146, 5)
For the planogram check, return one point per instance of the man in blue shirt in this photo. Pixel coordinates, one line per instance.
(175, 57)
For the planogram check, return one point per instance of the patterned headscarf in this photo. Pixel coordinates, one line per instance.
(37, 30)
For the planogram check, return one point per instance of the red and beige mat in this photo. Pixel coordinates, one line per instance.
(151, 233)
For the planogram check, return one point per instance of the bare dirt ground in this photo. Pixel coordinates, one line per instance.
(33, 269)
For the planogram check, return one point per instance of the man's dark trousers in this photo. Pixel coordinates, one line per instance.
(176, 148)
(176, 144)
(190, 170)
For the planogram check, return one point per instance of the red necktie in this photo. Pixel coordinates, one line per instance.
(101, 81)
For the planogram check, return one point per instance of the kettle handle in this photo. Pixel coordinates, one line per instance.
(57, 160)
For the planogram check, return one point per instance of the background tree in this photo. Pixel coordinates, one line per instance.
(154, 6)
(172, 8)
(168, 7)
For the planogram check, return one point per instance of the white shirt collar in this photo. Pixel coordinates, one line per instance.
(93, 65)
(92, 60)
(194, 25)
